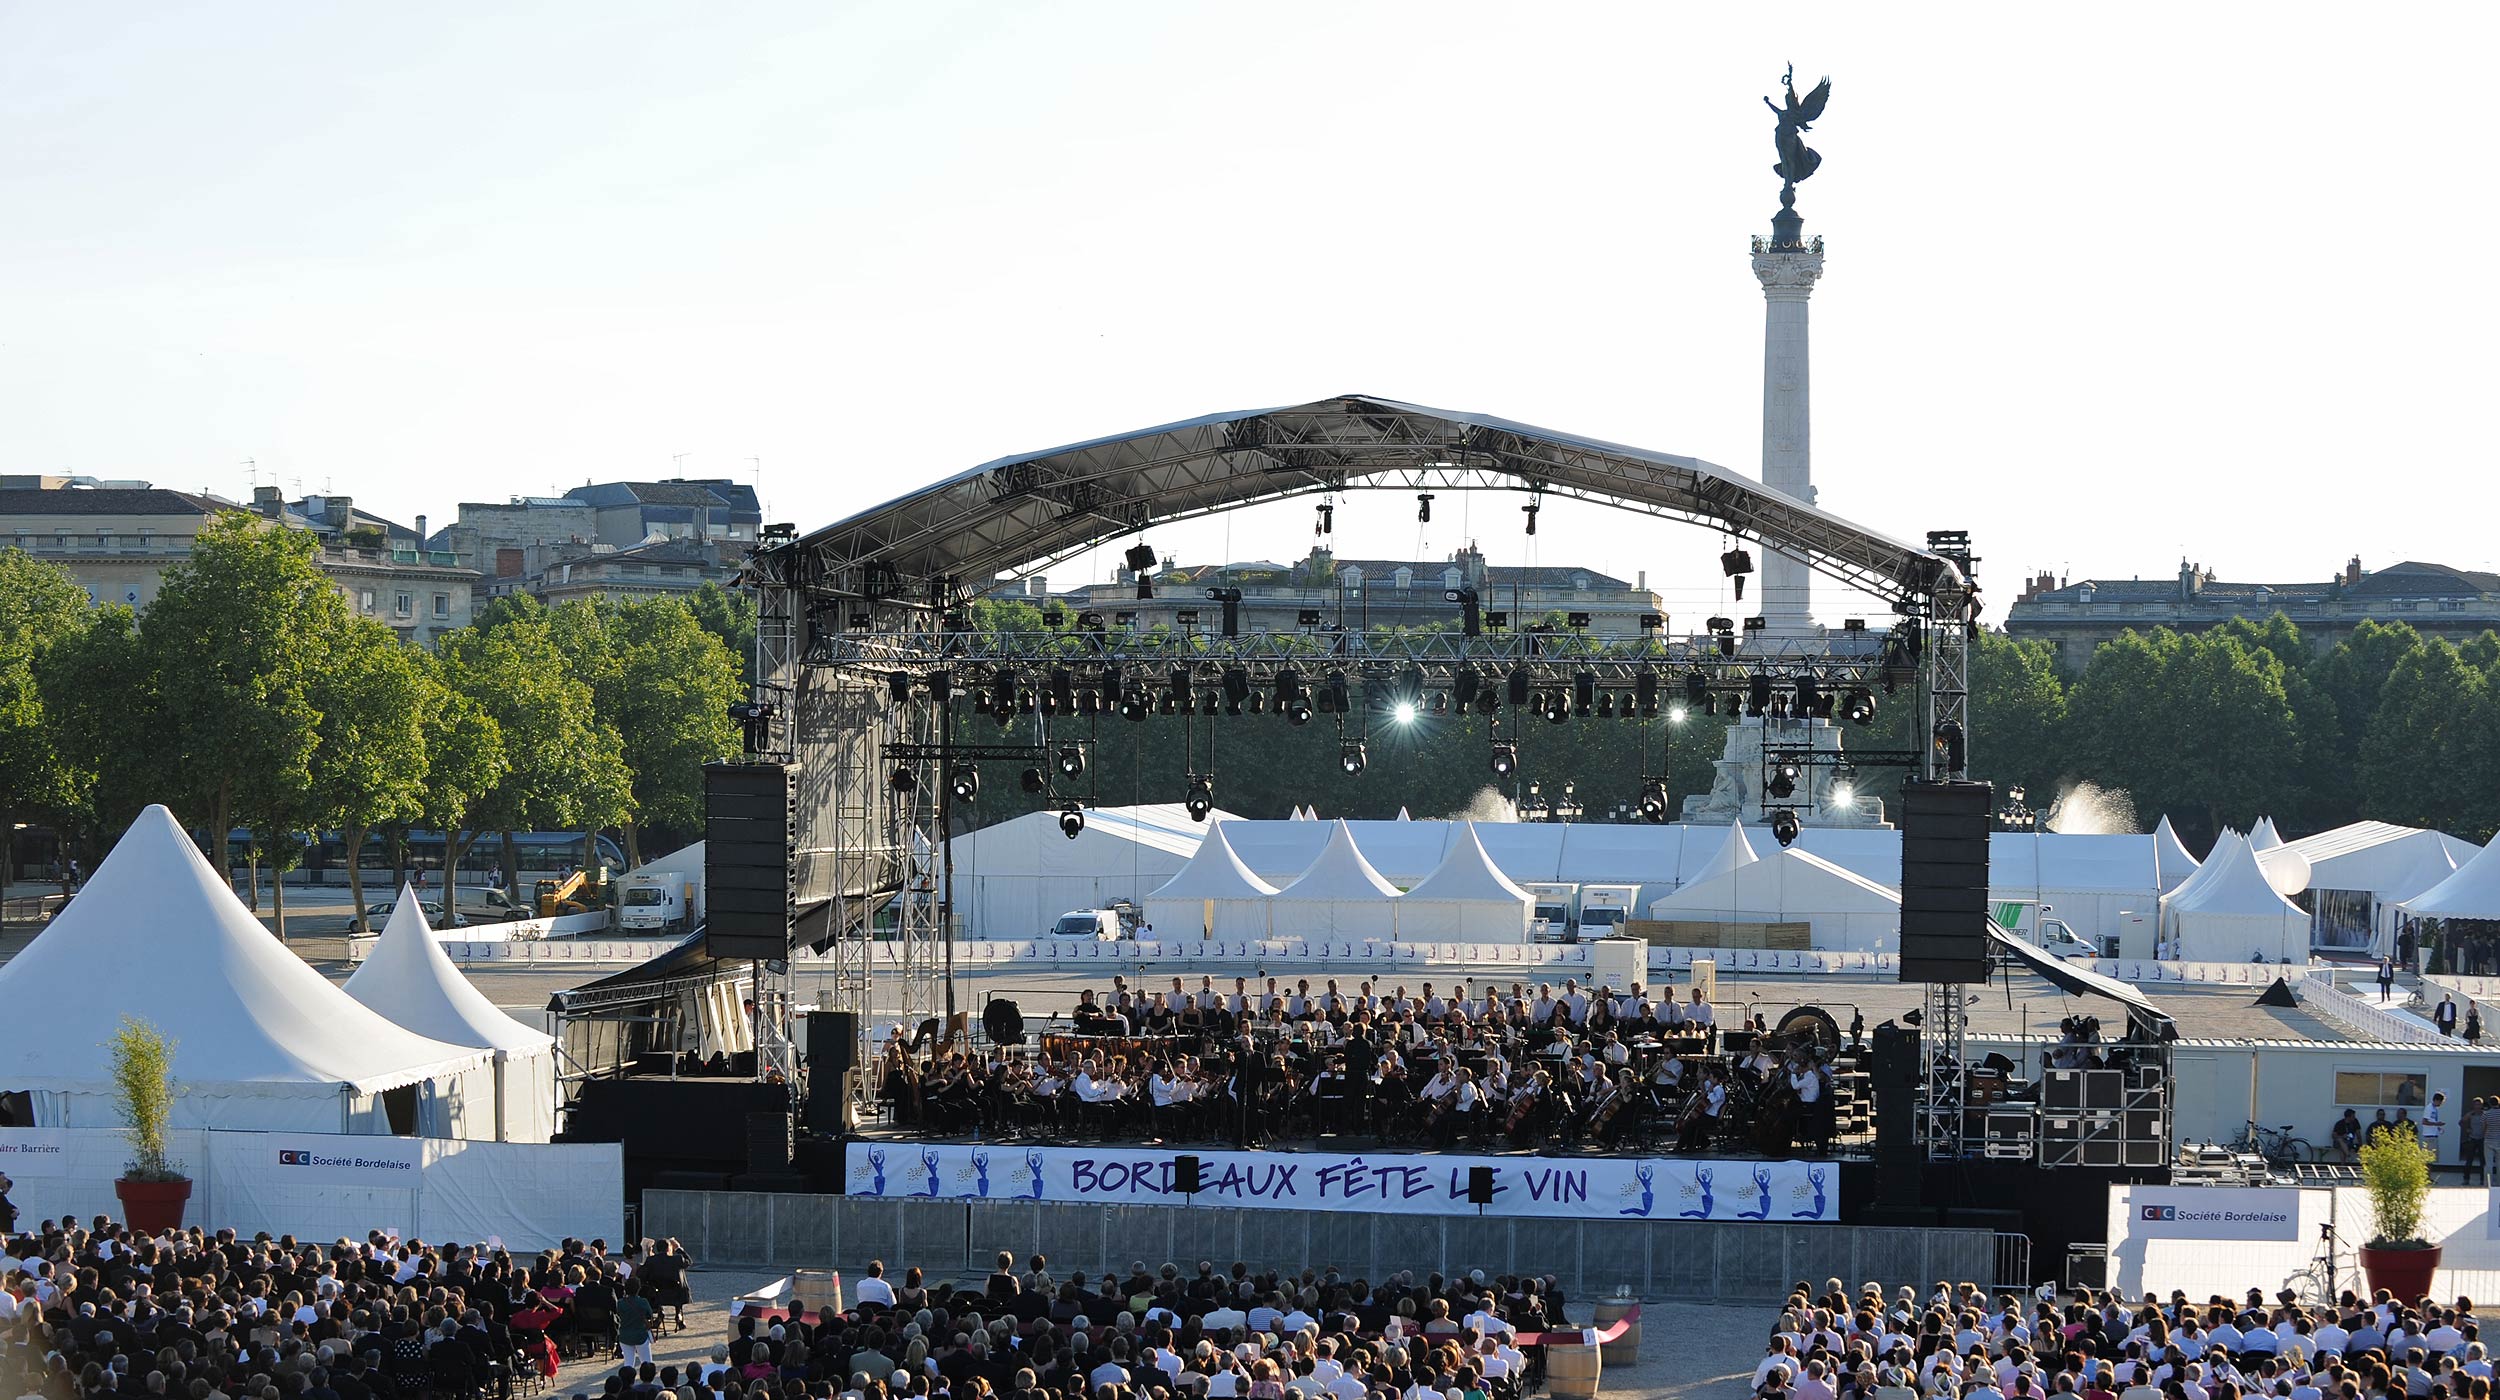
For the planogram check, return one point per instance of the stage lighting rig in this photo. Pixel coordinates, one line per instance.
(1653, 800)
(1470, 612)
(898, 686)
(1201, 797)
(1336, 698)
(1557, 707)
(1071, 820)
(1784, 826)
(1230, 599)
(903, 779)
(1783, 784)
(1327, 518)
(1033, 781)
(1463, 684)
(1757, 694)
(1723, 631)
(1737, 563)
(1497, 618)
(1505, 759)
(1350, 757)
(1236, 689)
(1292, 700)
(1306, 617)
(1134, 705)
(1859, 706)
(964, 784)
(1423, 507)
(1071, 762)
(1583, 691)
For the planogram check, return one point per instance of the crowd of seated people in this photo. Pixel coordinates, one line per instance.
(1476, 1066)
(90, 1310)
(1165, 1334)
(1957, 1343)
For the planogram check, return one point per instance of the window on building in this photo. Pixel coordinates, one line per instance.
(405, 604)
(1451, 578)
(1404, 578)
(104, 539)
(61, 541)
(1580, 582)
(147, 538)
(2381, 1088)
(2452, 605)
(1351, 576)
(442, 605)
(364, 600)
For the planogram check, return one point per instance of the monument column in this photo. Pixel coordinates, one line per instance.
(1788, 270)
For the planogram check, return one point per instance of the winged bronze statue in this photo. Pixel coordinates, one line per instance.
(1798, 160)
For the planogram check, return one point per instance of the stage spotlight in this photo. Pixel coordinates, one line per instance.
(1063, 689)
(1505, 759)
(1497, 618)
(1463, 690)
(1071, 761)
(941, 686)
(1230, 598)
(1134, 705)
(964, 784)
(1071, 821)
(1236, 689)
(1606, 706)
(1181, 688)
(1583, 692)
(898, 686)
(903, 779)
(1784, 827)
(1423, 507)
(1557, 708)
(1403, 712)
(1653, 800)
(1577, 622)
(1809, 695)
(1488, 701)
(1003, 691)
(1645, 689)
(1710, 704)
(1440, 702)
(1696, 688)
(1170, 704)
(1032, 781)
(1757, 694)
(1350, 757)
(1677, 714)
(1337, 699)
(1518, 686)
(1843, 794)
(1327, 518)
(1859, 707)
(1783, 784)
(1297, 709)
(1201, 798)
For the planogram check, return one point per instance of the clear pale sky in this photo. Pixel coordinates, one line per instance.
(2107, 285)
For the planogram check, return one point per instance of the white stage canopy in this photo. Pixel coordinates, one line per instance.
(1340, 896)
(1214, 896)
(1846, 912)
(1467, 899)
(412, 982)
(261, 1041)
(2171, 861)
(2232, 912)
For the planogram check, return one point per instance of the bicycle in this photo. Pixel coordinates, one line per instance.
(2317, 1284)
(2276, 1145)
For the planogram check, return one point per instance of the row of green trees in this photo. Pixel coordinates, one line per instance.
(2214, 728)
(248, 696)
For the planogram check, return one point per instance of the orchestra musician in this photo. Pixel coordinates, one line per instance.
(1700, 1125)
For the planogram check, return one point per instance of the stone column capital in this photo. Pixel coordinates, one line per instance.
(1788, 274)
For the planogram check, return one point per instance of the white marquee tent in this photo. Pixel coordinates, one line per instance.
(1340, 896)
(412, 983)
(1845, 911)
(2359, 873)
(261, 1041)
(2472, 893)
(2171, 862)
(2232, 912)
(1467, 899)
(2263, 837)
(1734, 853)
(1013, 880)
(1214, 896)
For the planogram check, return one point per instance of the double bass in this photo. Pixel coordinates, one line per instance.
(1775, 1117)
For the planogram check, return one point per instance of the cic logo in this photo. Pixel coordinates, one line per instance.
(2161, 1212)
(291, 1157)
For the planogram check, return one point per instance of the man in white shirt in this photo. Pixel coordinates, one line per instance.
(1224, 1318)
(1110, 1372)
(874, 1288)
(2434, 1118)
(1697, 1012)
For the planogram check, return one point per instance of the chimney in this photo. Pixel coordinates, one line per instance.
(420, 532)
(269, 501)
(2352, 571)
(1640, 581)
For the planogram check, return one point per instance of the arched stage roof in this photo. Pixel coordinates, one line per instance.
(1025, 512)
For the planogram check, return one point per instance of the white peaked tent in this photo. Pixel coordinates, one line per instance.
(2232, 912)
(412, 983)
(261, 1041)
(1402, 816)
(2263, 836)
(1846, 912)
(2171, 862)
(1734, 853)
(1340, 896)
(1214, 896)
(1466, 899)
(2472, 893)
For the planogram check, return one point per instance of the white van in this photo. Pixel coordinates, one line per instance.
(1603, 908)
(1090, 925)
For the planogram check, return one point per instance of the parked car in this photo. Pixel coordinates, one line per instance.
(490, 902)
(376, 914)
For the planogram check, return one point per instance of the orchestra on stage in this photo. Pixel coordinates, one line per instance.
(1465, 1066)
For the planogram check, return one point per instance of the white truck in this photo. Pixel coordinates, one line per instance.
(1603, 908)
(661, 903)
(1554, 908)
(2030, 922)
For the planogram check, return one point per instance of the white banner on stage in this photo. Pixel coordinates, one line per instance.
(2212, 1212)
(1591, 1188)
(343, 1159)
(34, 1152)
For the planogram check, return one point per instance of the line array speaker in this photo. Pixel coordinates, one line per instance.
(750, 822)
(831, 1042)
(1944, 881)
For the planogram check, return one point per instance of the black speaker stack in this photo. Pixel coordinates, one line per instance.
(750, 822)
(1944, 880)
(831, 1042)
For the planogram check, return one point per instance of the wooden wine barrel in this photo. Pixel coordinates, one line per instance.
(1571, 1371)
(1627, 1349)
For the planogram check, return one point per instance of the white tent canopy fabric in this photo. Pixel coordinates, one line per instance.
(409, 980)
(1845, 912)
(261, 1041)
(2263, 837)
(1214, 896)
(2171, 862)
(1014, 879)
(2472, 893)
(2232, 911)
(1734, 853)
(1466, 899)
(1339, 896)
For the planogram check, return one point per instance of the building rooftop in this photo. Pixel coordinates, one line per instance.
(735, 495)
(2410, 579)
(111, 500)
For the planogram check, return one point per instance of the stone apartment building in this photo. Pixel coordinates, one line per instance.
(629, 537)
(2437, 600)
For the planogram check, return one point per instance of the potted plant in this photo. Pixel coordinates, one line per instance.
(2397, 1172)
(152, 1189)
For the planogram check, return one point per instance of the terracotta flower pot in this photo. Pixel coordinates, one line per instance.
(2404, 1273)
(153, 1207)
